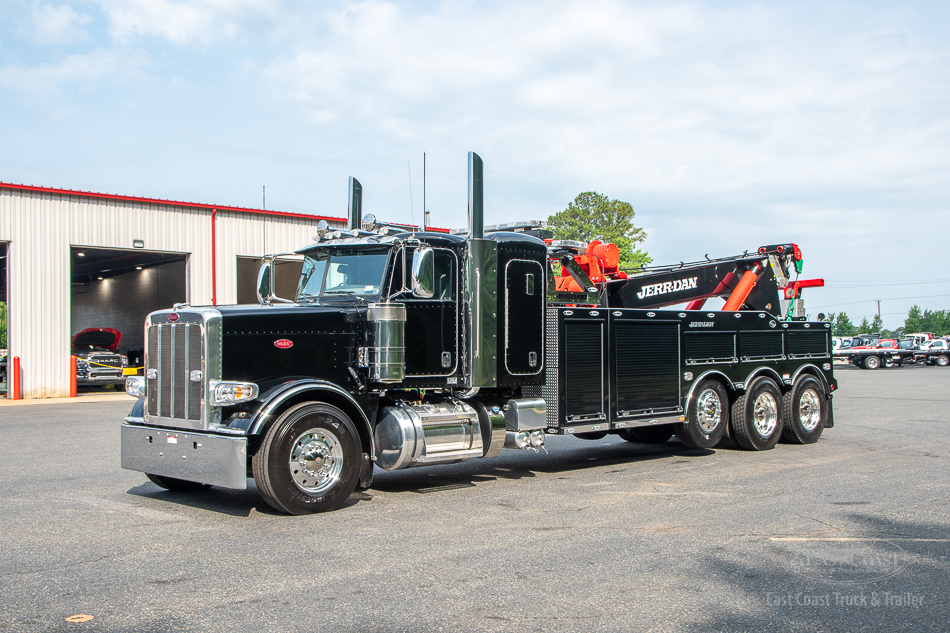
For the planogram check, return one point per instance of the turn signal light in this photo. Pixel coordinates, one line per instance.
(224, 394)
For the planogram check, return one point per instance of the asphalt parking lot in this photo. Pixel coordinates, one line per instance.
(850, 534)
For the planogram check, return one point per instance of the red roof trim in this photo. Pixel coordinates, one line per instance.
(177, 203)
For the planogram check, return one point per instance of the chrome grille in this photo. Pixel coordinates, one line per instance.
(109, 360)
(174, 351)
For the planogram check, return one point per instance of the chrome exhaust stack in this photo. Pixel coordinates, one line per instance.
(355, 203)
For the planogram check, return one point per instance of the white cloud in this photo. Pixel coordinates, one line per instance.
(187, 21)
(674, 98)
(57, 25)
(44, 82)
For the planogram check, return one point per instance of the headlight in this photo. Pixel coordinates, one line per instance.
(135, 386)
(224, 394)
(81, 364)
(125, 361)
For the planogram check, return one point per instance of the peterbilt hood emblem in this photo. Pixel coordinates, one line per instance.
(173, 317)
(666, 287)
(283, 343)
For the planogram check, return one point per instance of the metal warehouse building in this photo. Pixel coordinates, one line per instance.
(70, 260)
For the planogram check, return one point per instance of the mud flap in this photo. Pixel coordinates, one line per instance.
(366, 473)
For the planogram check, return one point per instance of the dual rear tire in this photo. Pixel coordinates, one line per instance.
(758, 418)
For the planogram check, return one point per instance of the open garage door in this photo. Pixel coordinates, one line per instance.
(286, 271)
(114, 290)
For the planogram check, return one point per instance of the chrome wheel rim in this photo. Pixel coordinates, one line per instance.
(708, 410)
(316, 461)
(809, 410)
(765, 415)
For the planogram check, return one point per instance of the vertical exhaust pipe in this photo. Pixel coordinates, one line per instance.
(476, 204)
(481, 292)
(355, 216)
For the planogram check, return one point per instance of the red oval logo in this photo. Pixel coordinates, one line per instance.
(283, 343)
(173, 317)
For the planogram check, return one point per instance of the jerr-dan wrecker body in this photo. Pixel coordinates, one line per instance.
(404, 349)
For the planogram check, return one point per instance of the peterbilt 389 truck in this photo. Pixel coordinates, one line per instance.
(404, 349)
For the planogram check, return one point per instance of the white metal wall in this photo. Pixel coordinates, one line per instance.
(42, 226)
(238, 235)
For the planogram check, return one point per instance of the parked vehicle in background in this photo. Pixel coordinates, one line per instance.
(840, 343)
(918, 338)
(864, 340)
(938, 344)
(883, 352)
(97, 359)
(935, 352)
(841, 347)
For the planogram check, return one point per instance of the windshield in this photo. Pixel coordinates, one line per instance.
(342, 271)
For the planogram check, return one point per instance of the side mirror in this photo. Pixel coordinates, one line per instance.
(265, 282)
(423, 272)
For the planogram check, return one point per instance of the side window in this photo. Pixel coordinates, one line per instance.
(444, 276)
(445, 273)
(396, 281)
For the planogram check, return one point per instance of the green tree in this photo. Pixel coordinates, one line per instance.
(842, 325)
(914, 321)
(864, 327)
(877, 324)
(594, 216)
(936, 321)
(3, 325)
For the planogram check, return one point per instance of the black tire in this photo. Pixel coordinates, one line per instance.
(706, 416)
(757, 415)
(324, 434)
(658, 434)
(176, 485)
(942, 360)
(872, 362)
(806, 410)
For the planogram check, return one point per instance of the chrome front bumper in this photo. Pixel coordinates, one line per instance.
(201, 457)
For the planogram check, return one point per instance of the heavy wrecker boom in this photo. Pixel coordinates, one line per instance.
(756, 281)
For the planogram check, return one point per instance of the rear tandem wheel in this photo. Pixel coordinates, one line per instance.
(706, 416)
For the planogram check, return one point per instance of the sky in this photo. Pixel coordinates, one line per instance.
(727, 125)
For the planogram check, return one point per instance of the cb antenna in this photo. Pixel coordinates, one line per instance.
(425, 211)
(412, 213)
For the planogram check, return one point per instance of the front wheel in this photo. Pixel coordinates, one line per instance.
(805, 410)
(872, 362)
(706, 416)
(309, 460)
(757, 416)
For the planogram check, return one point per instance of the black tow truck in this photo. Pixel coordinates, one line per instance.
(405, 349)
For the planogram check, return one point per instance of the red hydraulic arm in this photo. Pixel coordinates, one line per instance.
(743, 288)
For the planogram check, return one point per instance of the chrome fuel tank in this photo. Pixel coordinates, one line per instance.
(427, 433)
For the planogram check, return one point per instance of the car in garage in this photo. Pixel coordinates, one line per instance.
(98, 361)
